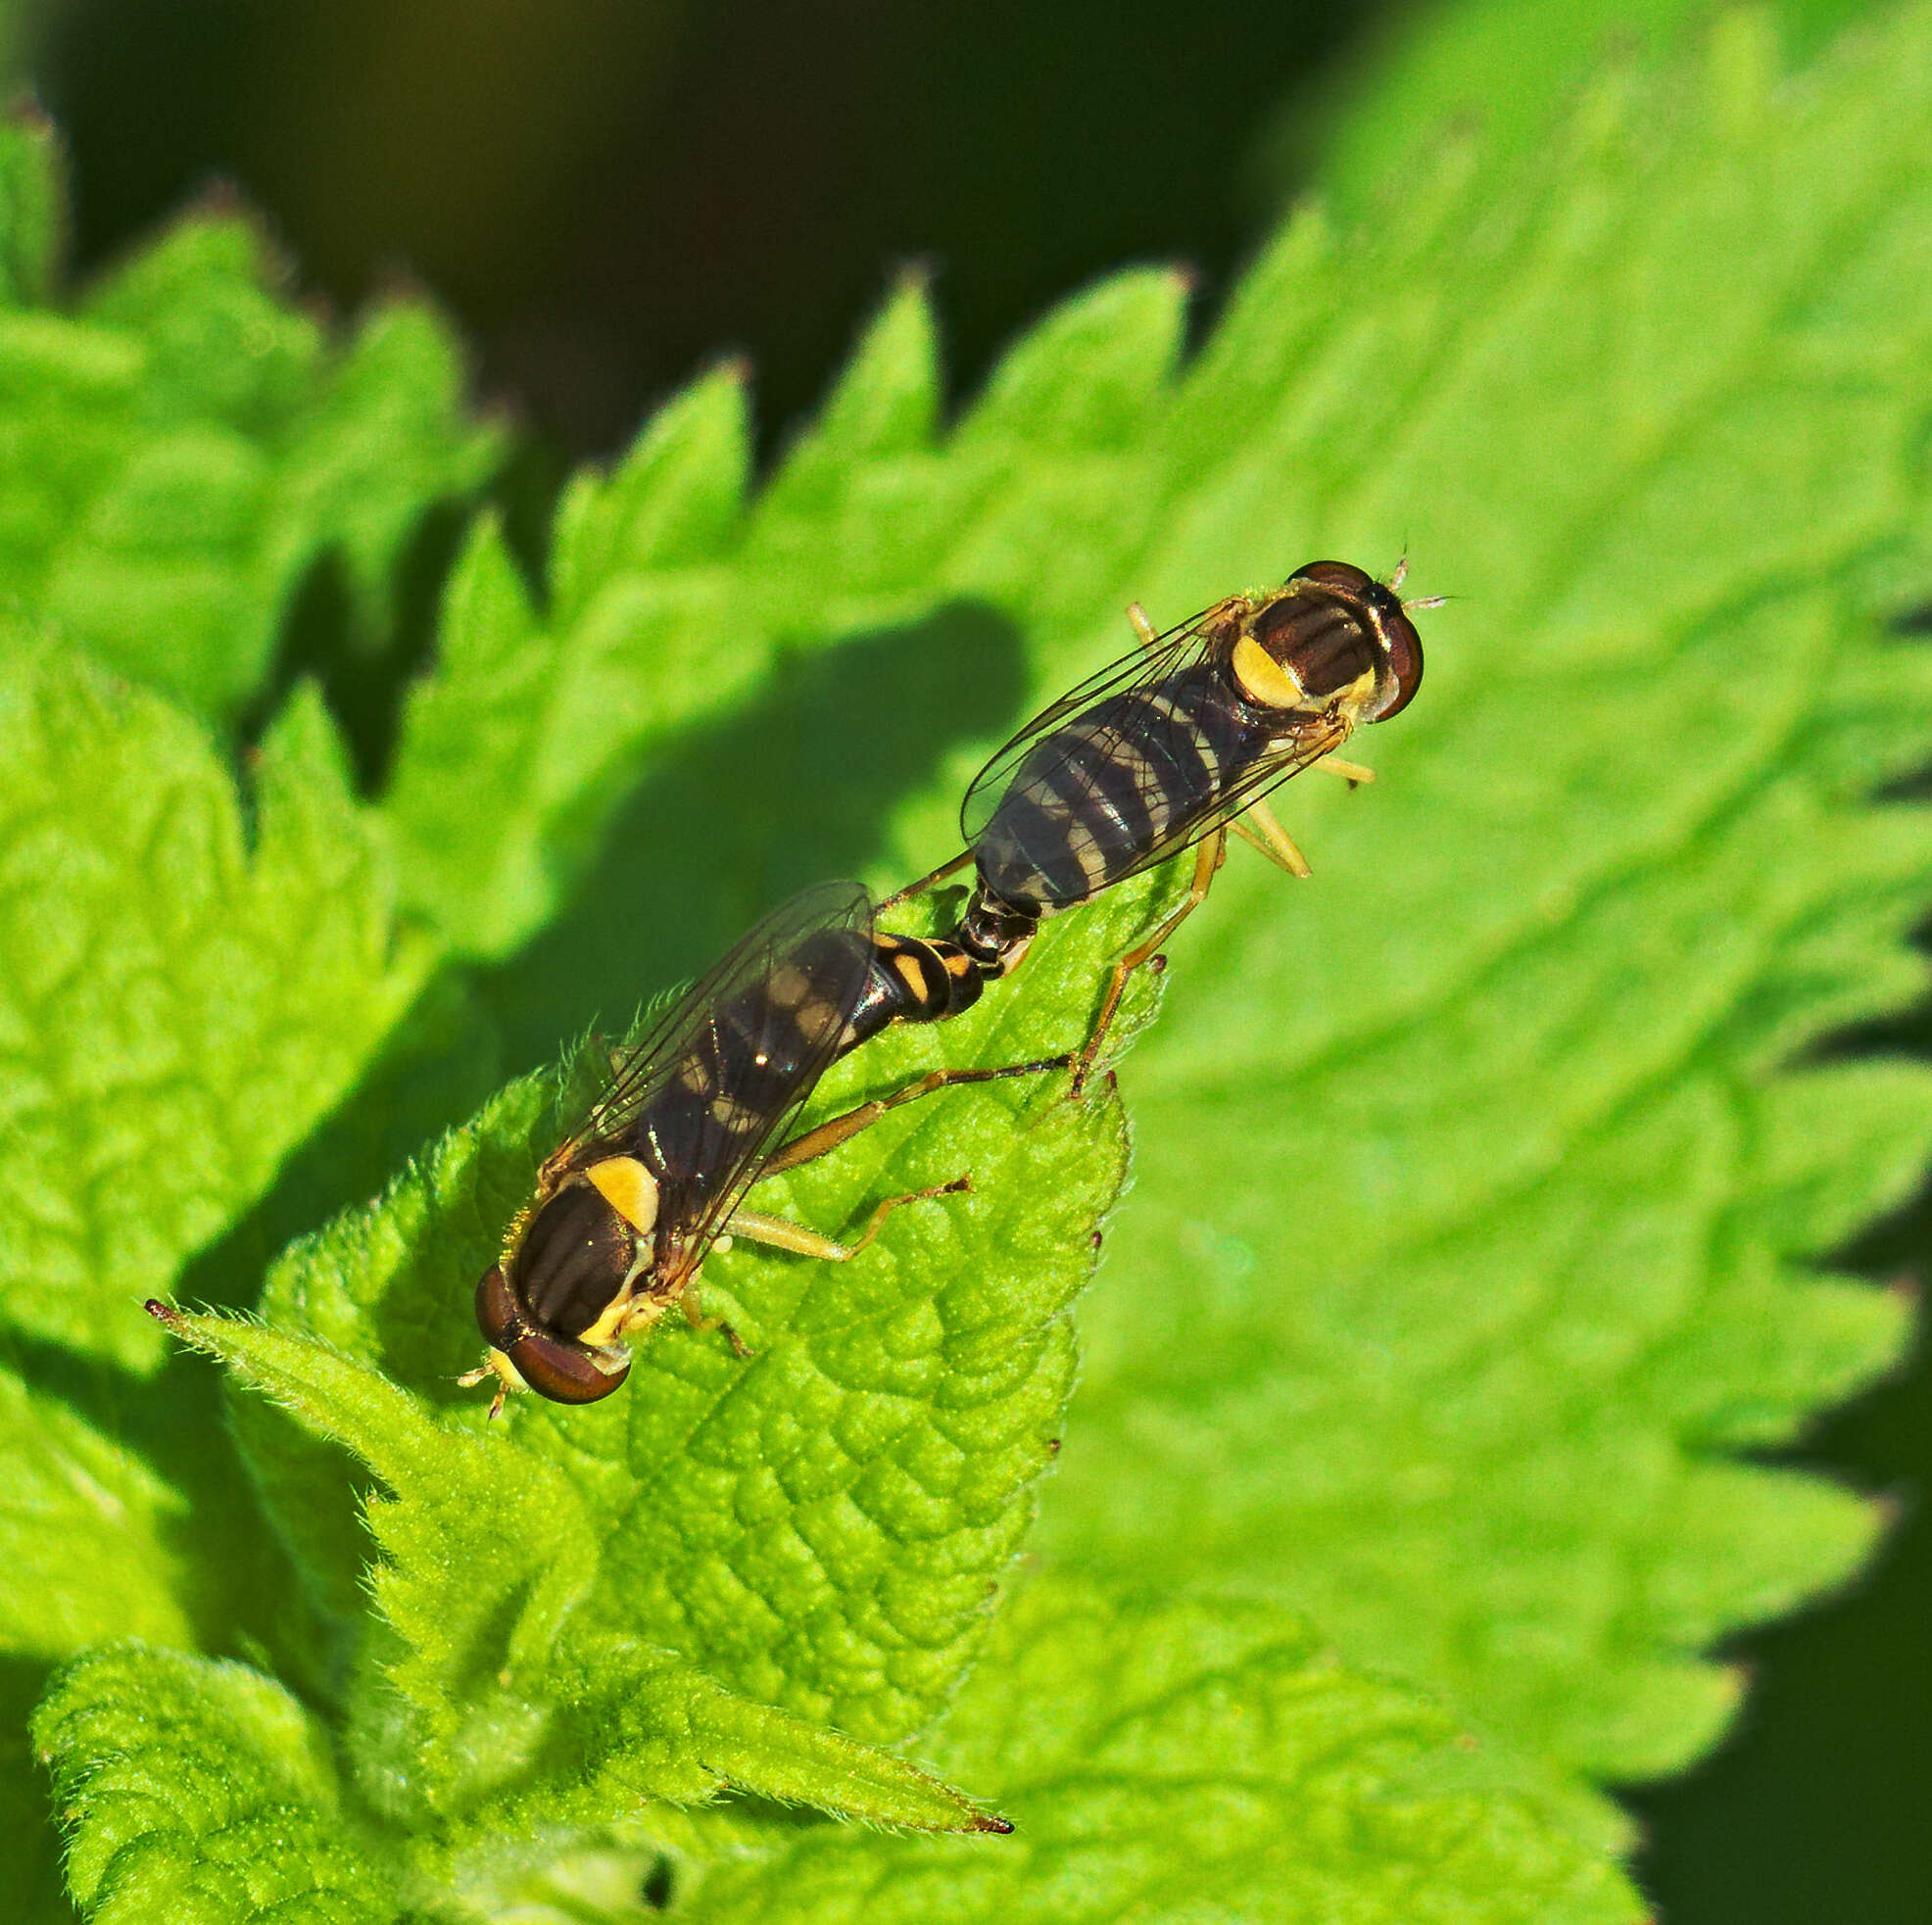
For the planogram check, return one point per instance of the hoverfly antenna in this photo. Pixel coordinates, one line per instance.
(1430, 601)
(1396, 579)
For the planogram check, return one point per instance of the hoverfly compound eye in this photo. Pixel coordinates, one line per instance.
(1402, 668)
(497, 1314)
(1336, 575)
(568, 1372)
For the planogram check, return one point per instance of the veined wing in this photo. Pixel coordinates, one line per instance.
(1142, 760)
(1199, 639)
(727, 1068)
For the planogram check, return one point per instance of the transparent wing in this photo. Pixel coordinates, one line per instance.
(1198, 639)
(704, 1093)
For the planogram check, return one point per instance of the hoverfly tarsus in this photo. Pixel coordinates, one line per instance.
(1164, 749)
(626, 1208)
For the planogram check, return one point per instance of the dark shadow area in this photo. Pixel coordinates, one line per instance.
(660, 1886)
(737, 815)
(364, 686)
(609, 193)
(31, 1864)
(435, 1069)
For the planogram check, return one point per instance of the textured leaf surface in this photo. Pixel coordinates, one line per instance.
(202, 1794)
(1187, 1761)
(822, 1527)
(496, 1689)
(183, 447)
(178, 1009)
(1476, 1178)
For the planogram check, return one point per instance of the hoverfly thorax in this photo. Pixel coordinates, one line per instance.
(1333, 641)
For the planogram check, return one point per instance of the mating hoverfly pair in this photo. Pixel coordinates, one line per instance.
(1161, 751)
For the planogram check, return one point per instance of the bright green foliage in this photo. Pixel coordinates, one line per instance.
(1647, 401)
(178, 1009)
(1183, 1761)
(1474, 1179)
(213, 1802)
(495, 1684)
(183, 447)
(1478, 1179)
(821, 1526)
(667, 602)
(1505, 70)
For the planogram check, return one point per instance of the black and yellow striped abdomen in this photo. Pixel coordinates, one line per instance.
(1121, 779)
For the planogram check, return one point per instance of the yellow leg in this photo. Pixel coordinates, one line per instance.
(926, 881)
(1145, 630)
(828, 1134)
(1207, 860)
(1272, 839)
(781, 1233)
(1348, 771)
(704, 1325)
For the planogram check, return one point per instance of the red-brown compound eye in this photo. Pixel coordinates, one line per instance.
(1404, 664)
(1336, 575)
(567, 1373)
(499, 1315)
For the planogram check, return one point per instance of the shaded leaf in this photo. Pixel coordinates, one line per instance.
(184, 447)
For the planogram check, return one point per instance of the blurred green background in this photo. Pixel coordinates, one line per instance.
(608, 193)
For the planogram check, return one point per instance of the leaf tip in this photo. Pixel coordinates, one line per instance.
(992, 1821)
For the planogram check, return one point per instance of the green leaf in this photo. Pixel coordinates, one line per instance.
(822, 1526)
(1504, 71)
(199, 1792)
(179, 1008)
(89, 1535)
(498, 1688)
(667, 605)
(1166, 1762)
(30, 208)
(1480, 1195)
(184, 448)
(1480, 1205)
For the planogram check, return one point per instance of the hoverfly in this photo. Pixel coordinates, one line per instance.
(1165, 747)
(626, 1208)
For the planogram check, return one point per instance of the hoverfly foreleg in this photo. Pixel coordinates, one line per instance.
(1274, 841)
(781, 1233)
(828, 1134)
(1207, 860)
(1350, 772)
(704, 1325)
